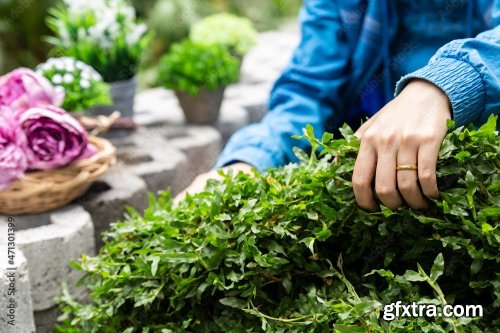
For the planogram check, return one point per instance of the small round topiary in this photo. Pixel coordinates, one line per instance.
(192, 67)
(236, 33)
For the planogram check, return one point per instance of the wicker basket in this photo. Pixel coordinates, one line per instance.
(41, 191)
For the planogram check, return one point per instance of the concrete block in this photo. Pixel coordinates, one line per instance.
(50, 241)
(46, 320)
(252, 97)
(106, 199)
(267, 60)
(256, 71)
(200, 144)
(159, 108)
(233, 117)
(149, 156)
(14, 278)
(256, 112)
(283, 40)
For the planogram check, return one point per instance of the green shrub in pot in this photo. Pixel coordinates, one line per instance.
(198, 74)
(289, 250)
(236, 33)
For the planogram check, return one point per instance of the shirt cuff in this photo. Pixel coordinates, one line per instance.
(459, 80)
(257, 157)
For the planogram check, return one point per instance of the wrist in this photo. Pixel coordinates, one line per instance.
(239, 166)
(430, 93)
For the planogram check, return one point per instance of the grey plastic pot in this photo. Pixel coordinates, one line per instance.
(122, 94)
(203, 108)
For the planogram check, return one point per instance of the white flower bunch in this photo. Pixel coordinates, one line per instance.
(103, 33)
(103, 22)
(83, 85)
(79, 7)
(69, 70)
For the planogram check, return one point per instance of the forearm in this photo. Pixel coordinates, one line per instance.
(468, 71)
(306, 93)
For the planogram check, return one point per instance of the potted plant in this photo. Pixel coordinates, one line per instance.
(105, 35)
(236, 33)
(83, 86)
(198, 74)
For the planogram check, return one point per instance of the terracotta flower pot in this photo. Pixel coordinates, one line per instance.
(203, 108)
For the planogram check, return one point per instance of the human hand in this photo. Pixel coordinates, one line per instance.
(200, 181)
(408, 131)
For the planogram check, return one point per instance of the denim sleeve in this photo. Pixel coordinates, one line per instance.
(468, 71)
(306, 93)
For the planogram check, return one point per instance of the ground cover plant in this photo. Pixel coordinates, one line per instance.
(290, 251)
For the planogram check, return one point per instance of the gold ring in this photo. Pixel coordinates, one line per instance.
(406, 167)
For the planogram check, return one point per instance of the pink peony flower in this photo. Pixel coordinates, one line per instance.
(55, 139)
(22, 89)
(13, 161)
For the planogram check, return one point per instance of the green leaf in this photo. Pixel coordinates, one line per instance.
(327, 137)
(437, 268)
(494, 187)
(233, 302)
(489, 127)
(367, 306)
(340, 328)
(309, 242)
(485, 227)
(154, 265)
(490, 212)
(413, 276)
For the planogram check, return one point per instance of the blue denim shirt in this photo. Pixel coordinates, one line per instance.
(349, 53)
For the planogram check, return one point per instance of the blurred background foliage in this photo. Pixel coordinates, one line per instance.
(22, 24)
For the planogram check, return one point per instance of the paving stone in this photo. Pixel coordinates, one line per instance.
(256, 112)
(252, 97)
(255, 71)
(233, 117)
(159, 107)
(284, 40)
(107, 198)
(23, 315)
(50, 241)
(149, 156)
(200, 144)
(266, 61)
(46, 320)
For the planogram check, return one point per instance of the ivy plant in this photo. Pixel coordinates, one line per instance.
(290, 251)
